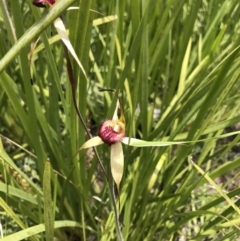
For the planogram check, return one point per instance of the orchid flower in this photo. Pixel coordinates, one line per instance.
(112, 132)
(43, 3)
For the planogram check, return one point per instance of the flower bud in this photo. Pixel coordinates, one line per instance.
(111, 131)
(42, 3)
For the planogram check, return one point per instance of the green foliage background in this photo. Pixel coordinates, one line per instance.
(176, 64)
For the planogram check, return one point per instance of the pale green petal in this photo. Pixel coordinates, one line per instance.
(117, 163)
(115, 115)
(95, 141)
(141, 143)
(60, 27)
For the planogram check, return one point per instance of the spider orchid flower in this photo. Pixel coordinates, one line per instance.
(112, 132)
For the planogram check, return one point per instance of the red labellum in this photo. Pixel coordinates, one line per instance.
(43, 3)
(111, 131)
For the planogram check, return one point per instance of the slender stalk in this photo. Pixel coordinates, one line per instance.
(72, 82)
(116, 216)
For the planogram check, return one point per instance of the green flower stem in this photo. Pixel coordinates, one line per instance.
(116, 216)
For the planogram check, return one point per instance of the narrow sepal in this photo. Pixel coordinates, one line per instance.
(60, 27)
(140, 143)
(117, 163)
(95, 141)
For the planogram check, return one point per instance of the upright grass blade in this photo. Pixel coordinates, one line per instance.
(144, 65)
(47, 200)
